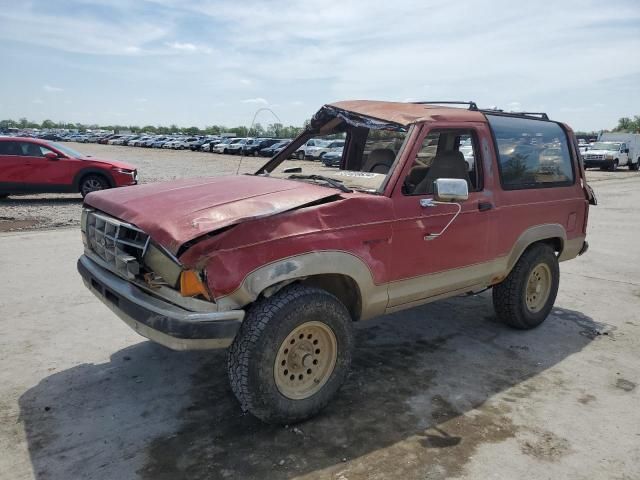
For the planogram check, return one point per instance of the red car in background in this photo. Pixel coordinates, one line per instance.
(29, 165)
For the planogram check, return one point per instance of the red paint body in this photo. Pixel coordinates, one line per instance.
(266, 219)
(20, 173)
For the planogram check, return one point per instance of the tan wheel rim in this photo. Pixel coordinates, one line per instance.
(538, 287)
(305, 360)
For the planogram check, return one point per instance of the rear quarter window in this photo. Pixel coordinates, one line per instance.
(531, 153)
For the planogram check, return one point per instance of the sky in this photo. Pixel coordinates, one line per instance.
(199, 63)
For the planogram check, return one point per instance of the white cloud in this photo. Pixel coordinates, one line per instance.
(188, 47)
(259, 100)
(320, 51)
(51, 88)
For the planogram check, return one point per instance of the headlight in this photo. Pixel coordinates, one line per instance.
(123, 170)
(162, 264)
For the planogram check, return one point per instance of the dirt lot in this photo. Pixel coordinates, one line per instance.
(28, 212)
(441, 391)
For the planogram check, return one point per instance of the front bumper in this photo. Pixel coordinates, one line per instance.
(156, 319)
(598, 163)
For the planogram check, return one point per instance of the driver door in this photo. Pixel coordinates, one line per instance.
(460, 258)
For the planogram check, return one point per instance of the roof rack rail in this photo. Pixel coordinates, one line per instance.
(498, 111)
(472, 105)
(542, 115)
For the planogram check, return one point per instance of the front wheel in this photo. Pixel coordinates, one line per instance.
(525, 298)
(614, 166)
(92, 183)
(291, 355)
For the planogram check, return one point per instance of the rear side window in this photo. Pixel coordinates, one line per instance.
(532, 153)
(10, 148)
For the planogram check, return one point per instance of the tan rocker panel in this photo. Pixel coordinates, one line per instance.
(400, 294)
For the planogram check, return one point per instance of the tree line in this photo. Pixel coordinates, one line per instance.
(276, 130)
(626, 124)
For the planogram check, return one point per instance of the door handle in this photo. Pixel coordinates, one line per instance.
(484, 206)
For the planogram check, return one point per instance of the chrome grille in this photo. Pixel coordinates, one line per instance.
(120, 245)
(593, 157)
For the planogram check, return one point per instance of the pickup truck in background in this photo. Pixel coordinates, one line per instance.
(613, 150)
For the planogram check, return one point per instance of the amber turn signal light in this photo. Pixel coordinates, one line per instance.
(191, 285)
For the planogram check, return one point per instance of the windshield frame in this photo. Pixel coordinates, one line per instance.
(328, 126)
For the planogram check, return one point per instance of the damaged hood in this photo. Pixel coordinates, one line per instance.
(177, 212)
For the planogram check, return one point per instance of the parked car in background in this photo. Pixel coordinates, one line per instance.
(273, 149)
(332, 159)
(630, 143)
(608, 155)
(254, 146)
(223, 147)
(158, 142)
(309, 148)
(30, 165)
(236, 148)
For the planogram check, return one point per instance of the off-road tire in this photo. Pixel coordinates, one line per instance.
(92, 179)
(251, 357)
(509, 296)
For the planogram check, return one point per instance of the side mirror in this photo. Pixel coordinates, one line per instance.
(51, 156)
(626, 150)
(450, 190)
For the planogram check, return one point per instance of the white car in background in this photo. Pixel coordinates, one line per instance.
(223, 147)
(315, 148)
(236, 148)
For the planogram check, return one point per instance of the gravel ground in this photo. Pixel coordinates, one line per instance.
(28, 212)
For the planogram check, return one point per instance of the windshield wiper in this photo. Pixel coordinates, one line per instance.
(331, 181)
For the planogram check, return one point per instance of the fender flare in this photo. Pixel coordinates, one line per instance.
(374, 298)
(550, 231)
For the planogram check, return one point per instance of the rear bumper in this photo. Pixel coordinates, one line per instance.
(585, 247)
(157, 319)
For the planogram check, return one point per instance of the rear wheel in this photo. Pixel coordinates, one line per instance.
(92, 183)
(291, 355)
(524, 299)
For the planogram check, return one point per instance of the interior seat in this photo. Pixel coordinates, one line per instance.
(449, 164)
(379, 161)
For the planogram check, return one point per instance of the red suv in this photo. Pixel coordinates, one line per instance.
(429, 202)
(29, 165)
